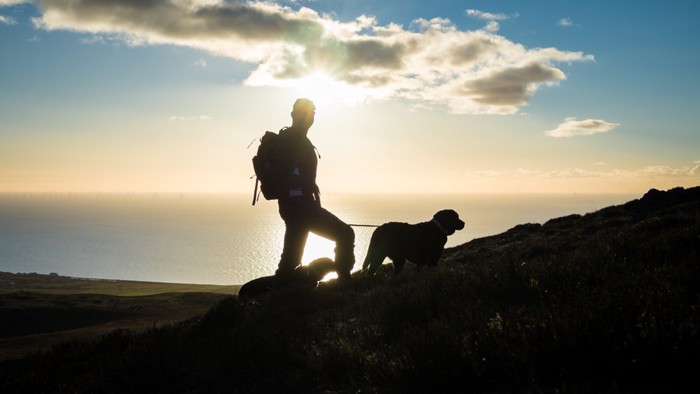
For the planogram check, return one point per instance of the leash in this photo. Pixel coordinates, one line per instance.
(363, 225)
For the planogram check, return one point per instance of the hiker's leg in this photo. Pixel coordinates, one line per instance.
(327, 225)
(295, 234)
(294, 241)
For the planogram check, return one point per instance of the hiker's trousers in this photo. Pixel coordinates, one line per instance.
(302, 215)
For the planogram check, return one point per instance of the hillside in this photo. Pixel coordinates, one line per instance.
(604, 302)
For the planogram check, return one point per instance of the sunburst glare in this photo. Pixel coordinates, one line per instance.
(317, 247)
(326, 91)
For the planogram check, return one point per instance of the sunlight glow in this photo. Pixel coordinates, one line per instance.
(317, 247)
(327, 91)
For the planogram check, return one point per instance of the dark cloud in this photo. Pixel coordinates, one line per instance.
(472, 51)
(171, 19)
(511, 86)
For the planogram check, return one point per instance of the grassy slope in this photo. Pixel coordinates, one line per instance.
(38, 311)
(608, 301)
(54, 284)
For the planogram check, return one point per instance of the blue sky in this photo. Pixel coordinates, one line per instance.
(413, 96)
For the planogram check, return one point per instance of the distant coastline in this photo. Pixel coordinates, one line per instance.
(54, 283)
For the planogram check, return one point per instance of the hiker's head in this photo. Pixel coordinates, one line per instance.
(303, 113)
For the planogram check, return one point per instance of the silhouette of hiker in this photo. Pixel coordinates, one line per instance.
(300, 203)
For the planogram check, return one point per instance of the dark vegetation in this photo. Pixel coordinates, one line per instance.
(606, 302)
(31, 321)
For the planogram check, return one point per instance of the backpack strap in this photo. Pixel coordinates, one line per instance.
(255, 191)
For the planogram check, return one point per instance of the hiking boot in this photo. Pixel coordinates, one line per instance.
(284, 278)
(344, 276)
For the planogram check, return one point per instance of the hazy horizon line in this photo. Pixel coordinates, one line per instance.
(177, 194)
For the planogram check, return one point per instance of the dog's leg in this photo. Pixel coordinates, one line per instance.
(398, 265)
(376, 253)
(373, 261)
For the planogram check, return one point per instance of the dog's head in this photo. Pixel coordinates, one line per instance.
(319, 268)
(449, 221)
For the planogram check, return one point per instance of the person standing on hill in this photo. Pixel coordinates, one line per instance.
(300, 202)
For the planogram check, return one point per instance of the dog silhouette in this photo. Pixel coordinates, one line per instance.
(307, 275)
(421, 243)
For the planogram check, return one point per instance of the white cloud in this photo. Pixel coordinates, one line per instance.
(647, 172)
(93, 40)
(565, 22)
(484, 173)
(572, 127)
(5, 3)
(431, 64)
(179, 118)
(492, 26)
(577, 179)
(6, 20)
(201, 63)
(487, 16)
(663, 170)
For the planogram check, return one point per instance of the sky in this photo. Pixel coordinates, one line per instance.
(412, 96)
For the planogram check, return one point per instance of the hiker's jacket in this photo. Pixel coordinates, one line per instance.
(298, 156)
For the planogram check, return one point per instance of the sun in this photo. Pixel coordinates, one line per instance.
(326, 91)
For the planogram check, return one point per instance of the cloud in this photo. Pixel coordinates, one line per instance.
(565, 22)
(511, 86)
(430, 64)
(663, 170)
(572, 127)
(5, 3)
(647, 172)
(593, 179)
(178, 118)
(6, 20)
(492, 26)
(487, 16)
(93, 40)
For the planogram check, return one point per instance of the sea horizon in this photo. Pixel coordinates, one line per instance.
(219, 238)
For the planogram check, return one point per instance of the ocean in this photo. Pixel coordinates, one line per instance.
(222, 239)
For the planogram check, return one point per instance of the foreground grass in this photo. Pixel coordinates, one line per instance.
(606, 302)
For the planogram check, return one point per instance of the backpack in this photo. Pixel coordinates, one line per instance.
(268, 168)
